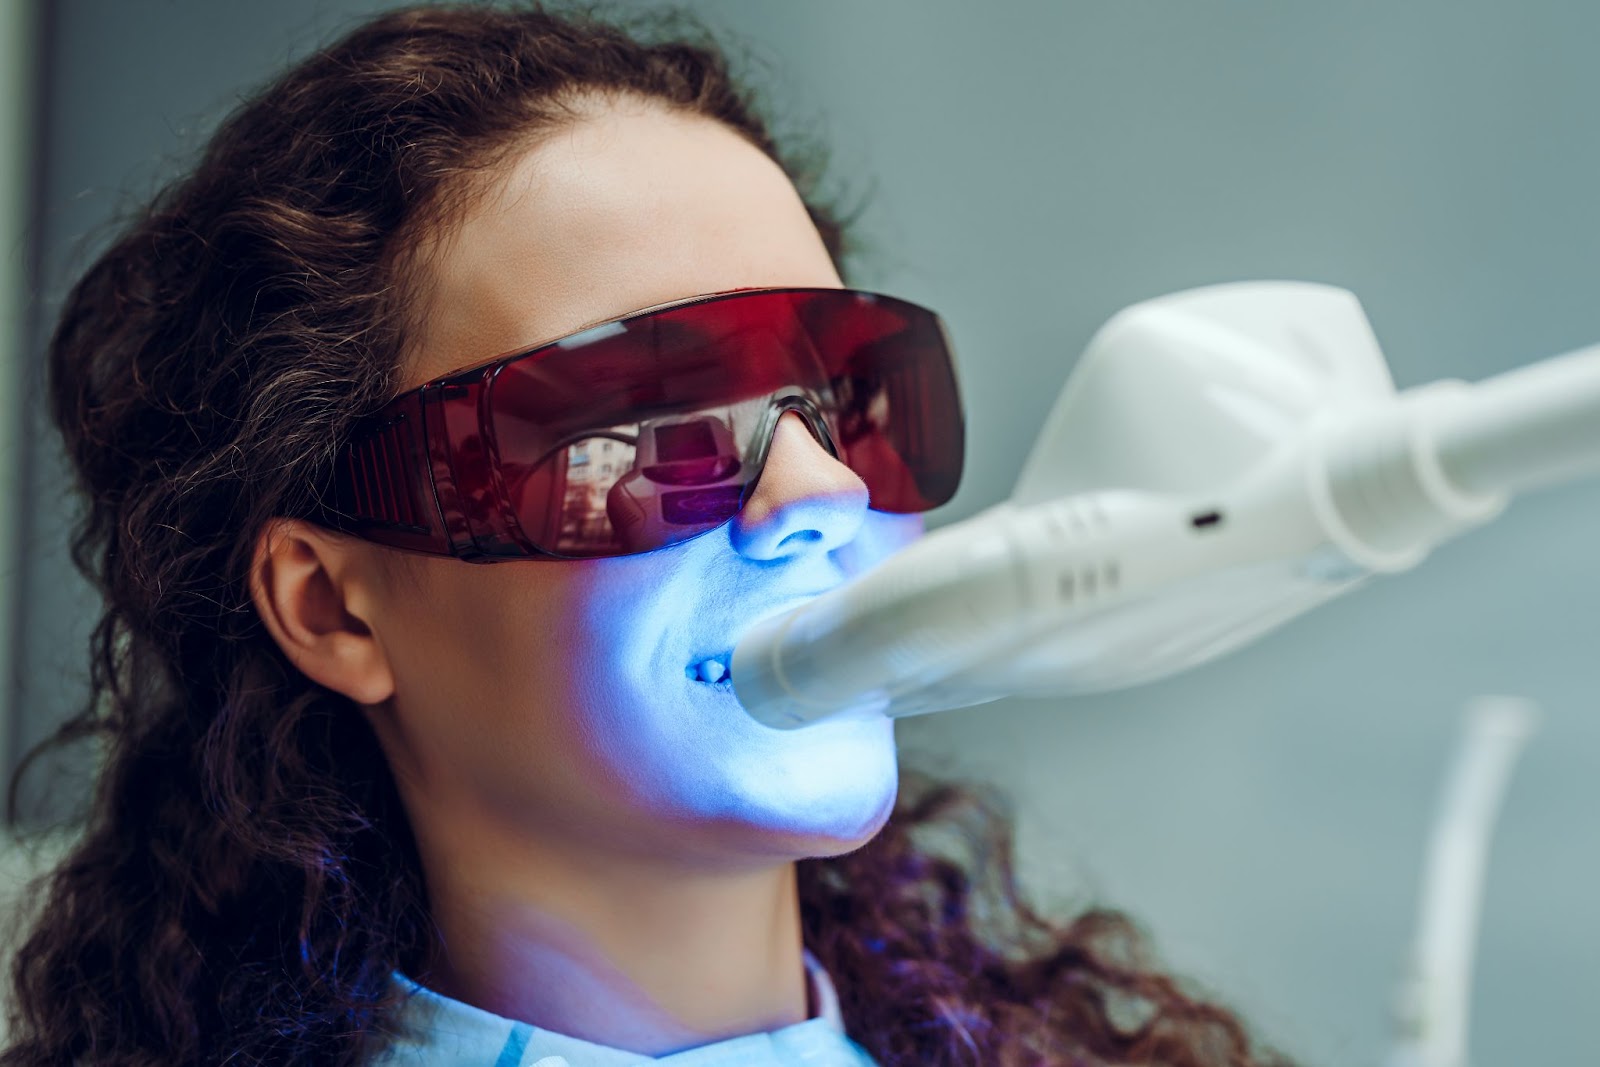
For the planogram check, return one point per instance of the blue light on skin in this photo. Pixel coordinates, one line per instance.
(655, 614)
(609, 844)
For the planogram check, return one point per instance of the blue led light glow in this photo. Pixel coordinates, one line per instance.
(685, 750)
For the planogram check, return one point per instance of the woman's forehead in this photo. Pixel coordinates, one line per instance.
(630, 206)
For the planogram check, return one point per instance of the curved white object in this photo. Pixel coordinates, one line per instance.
(1435, 998)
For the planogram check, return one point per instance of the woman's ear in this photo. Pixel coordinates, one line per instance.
(316, 602)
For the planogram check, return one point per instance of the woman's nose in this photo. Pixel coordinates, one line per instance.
(804, 502)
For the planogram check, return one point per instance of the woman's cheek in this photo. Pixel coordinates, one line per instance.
(882, 535)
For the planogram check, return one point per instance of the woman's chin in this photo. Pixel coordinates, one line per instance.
(834, 825)
(839, 844)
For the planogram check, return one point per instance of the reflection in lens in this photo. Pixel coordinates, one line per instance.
(636, 486)
(560, 501)
(701, 507)
(688, 478)
(593, 466)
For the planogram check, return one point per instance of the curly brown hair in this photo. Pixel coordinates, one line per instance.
(246, 881)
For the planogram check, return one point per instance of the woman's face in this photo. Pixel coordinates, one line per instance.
(556, 698)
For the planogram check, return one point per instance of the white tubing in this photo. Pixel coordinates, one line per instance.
(1527, 428)
(938, 606)
(1377, 485)
(1435, 997)
(897, 639)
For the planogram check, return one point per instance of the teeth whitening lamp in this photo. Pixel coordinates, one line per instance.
(1220, 461)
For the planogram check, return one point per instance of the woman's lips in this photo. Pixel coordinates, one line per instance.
(712, 671)
(718, 669)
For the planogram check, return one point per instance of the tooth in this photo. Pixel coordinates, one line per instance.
(712, 671)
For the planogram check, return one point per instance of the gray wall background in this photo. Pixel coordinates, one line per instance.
(1029, 167)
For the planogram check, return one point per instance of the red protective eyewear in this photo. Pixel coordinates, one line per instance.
(652, 429)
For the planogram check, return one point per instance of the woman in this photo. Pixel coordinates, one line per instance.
(365, 801)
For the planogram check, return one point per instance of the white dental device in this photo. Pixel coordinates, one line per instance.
(1220, 461)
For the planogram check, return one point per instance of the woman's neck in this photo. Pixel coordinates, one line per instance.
(629, 952)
